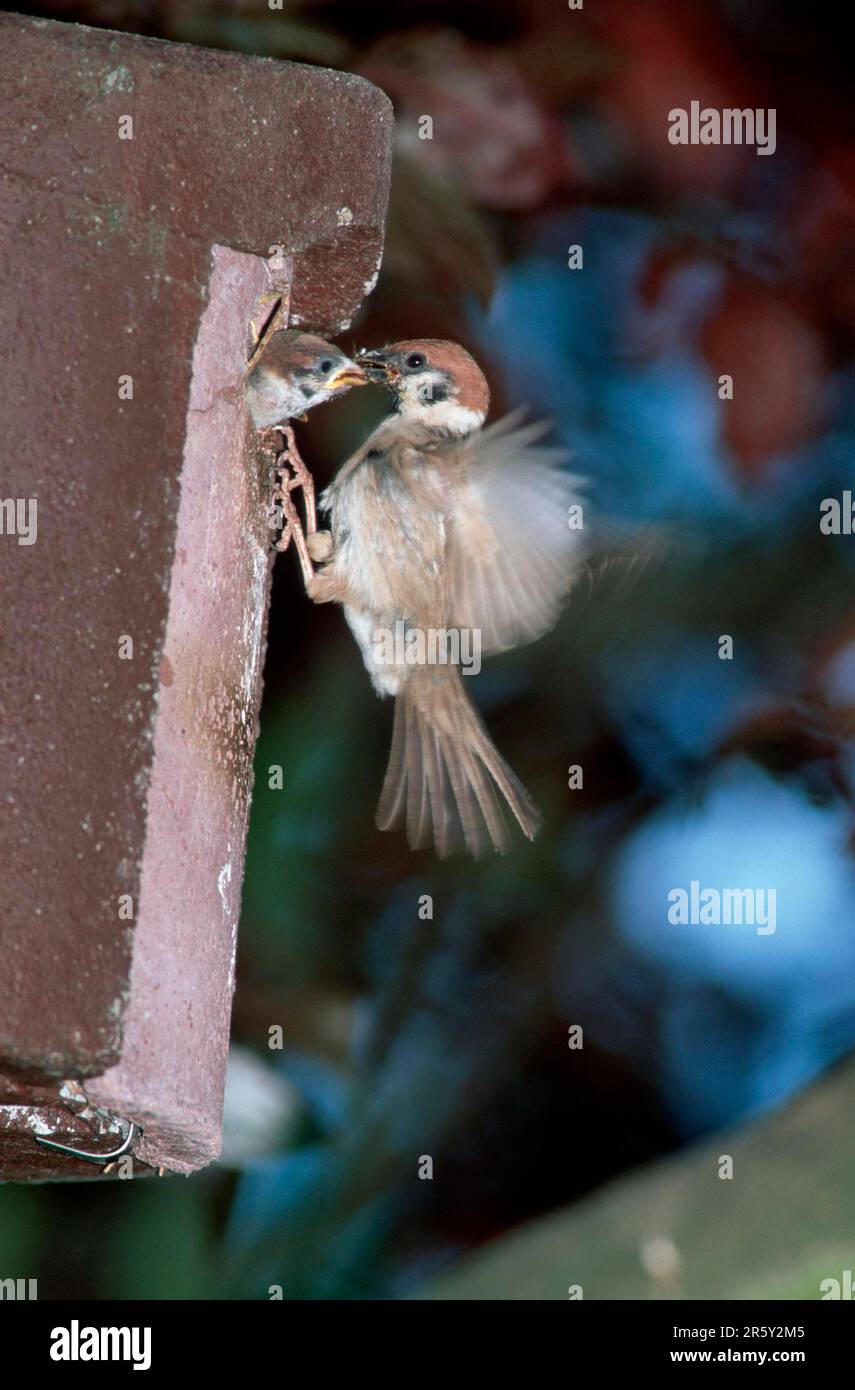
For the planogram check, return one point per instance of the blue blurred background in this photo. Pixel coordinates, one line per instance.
(448, 1036)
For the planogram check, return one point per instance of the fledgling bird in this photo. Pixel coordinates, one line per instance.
(293, 372)
(296, 372)
(439, 523)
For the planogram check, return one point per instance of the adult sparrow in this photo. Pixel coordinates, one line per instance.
(439, 524)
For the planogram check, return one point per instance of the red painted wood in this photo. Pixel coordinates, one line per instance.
(133, 776)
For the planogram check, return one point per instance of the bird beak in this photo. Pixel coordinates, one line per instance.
(377, 368)
(349, 375)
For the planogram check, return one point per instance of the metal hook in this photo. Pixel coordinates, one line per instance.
(90, 1157)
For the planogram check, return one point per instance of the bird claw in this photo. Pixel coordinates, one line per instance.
(292, 474)
(283, 504)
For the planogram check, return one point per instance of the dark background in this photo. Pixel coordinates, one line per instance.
(448, 1037)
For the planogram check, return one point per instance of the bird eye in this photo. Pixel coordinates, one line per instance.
(415, 360)
(327, 365)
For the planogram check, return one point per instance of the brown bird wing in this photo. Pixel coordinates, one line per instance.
(512, 556)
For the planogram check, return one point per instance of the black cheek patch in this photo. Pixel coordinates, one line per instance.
(433, 392)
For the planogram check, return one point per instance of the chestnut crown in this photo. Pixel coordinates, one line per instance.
(435, 379)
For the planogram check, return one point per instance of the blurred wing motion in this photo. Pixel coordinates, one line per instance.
(622, 551)
(511, 558)
(510, 561)
(446, 779)
(512, 555)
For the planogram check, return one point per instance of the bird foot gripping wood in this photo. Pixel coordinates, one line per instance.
(291, 474)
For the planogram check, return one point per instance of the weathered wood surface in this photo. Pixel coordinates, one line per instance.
(130, 778)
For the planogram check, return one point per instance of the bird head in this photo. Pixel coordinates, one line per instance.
(434, 381)
(297, 372)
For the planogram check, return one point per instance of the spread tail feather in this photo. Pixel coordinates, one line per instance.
(446, 779)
